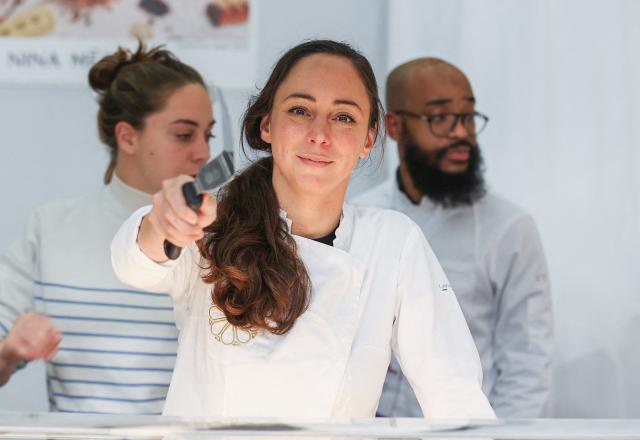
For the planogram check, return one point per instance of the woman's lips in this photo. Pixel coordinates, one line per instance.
(315, 161)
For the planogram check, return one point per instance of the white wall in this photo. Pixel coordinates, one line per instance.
(559, 79)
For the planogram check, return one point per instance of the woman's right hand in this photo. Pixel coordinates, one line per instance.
(32, 336)
(172, 219)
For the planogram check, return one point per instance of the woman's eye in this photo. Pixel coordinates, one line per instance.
(184, 136)
(345, 118)
(298, 111)
(209, 136)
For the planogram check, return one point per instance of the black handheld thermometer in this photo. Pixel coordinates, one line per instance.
(210, 177)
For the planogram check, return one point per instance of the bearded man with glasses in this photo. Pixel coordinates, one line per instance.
(489, 248)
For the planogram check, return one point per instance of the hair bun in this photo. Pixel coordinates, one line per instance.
(104, 71)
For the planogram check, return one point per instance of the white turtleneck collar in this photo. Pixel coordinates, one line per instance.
(127, 197)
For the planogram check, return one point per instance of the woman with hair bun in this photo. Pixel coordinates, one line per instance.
(109, 348)
(291, 301)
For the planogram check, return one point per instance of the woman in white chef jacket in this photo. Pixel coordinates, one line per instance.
(290, 302)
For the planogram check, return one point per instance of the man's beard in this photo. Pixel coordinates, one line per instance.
(449, 190)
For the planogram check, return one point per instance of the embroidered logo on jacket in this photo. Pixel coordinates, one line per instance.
(226, 333)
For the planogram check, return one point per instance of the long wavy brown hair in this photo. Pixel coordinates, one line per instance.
(259, 281)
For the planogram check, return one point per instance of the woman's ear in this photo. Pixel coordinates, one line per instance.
(369, 142)
(126, 137)
(265, 128)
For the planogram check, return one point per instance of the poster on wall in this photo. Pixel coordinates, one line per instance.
(56, 41)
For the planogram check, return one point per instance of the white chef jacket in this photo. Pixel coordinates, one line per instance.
(493, 256)
(378, 289)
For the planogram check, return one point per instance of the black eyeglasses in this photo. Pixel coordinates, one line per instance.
(442, 124)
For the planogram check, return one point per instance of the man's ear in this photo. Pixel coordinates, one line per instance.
(126, 137)
(265, 128)
(394, 126)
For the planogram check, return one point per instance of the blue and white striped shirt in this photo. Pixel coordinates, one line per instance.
(119, 344)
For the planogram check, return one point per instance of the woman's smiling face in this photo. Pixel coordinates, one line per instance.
(318, 126)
